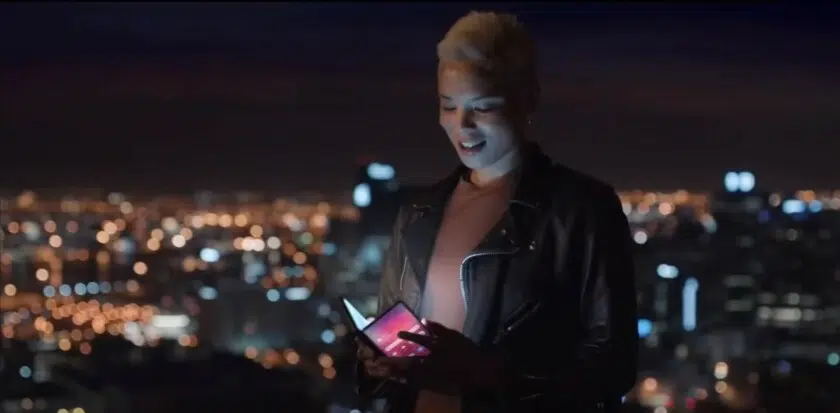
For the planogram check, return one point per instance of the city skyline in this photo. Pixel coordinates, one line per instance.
(734, 292)
(176, 98)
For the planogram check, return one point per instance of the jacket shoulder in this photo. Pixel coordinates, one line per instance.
(410, 198)
(412, 194)
(570, 185)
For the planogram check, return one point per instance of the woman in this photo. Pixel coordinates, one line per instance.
(521, 267)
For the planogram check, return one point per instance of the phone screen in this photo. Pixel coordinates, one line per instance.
(383, 332)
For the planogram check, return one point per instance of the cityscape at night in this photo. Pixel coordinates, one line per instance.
(201, 267)
(735, 292)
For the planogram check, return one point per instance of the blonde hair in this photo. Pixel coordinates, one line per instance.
(496, 43)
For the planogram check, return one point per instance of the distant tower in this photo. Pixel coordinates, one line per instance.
(376, 194)
(737, 209)
(740, 214)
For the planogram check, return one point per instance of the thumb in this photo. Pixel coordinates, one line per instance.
(436, 329)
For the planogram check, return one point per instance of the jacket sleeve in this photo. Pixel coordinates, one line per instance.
(605, 365)
(389, 293)
(607, 358)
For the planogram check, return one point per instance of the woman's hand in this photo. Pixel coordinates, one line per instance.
(455, 364)
(374, 367)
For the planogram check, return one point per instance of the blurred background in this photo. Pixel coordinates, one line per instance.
(185, 189)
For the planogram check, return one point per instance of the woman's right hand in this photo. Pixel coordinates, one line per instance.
(370, 361)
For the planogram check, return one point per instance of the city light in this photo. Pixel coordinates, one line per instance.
(55, 241)
(746, 181)
(361, 195)
(42, 274)
(254, 274)
(178, 241)
(732, 181)
(140, 268)
(689, 300)
(328, 336)
(297, 293)
(721, 370)
(640, 237)
(645, 328)
(170, 321)
(208, 293)
(667, 271)
(650, 384)
(793, 206)
(739, 181)
(209, 255)
(273, 243)
(380, 172)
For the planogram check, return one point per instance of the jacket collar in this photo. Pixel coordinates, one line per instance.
(530, 186)
(513, 232)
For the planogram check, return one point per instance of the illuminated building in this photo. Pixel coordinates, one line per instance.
(775, 273)
(377, 194)
(374, 194)
(722, 276)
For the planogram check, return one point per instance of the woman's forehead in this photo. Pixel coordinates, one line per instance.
(460, 76)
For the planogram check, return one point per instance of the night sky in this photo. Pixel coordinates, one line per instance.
(285, 97)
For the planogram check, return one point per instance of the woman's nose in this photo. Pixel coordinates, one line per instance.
(465, 119)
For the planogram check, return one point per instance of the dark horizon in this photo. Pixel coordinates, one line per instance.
(285, 97)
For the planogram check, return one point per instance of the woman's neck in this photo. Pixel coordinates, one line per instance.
(501, 168)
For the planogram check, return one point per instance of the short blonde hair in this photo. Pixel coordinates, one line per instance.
(494, 42)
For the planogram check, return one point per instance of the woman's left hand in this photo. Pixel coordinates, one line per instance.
(455, 364)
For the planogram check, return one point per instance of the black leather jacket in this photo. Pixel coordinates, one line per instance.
(551, 289)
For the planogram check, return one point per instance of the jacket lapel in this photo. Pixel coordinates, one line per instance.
(419, 235)
(513, 233)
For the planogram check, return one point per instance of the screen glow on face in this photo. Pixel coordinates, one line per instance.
(383, 332)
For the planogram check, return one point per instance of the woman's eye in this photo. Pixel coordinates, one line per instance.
(487, 105)
(485, 108)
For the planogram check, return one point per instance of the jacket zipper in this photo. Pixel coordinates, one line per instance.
(402, 273)
(461, 276)
(511, 326)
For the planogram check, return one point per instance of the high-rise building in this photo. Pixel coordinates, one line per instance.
(376, 194)
(772, 263)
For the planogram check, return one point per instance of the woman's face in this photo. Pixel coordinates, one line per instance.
(475, 115)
